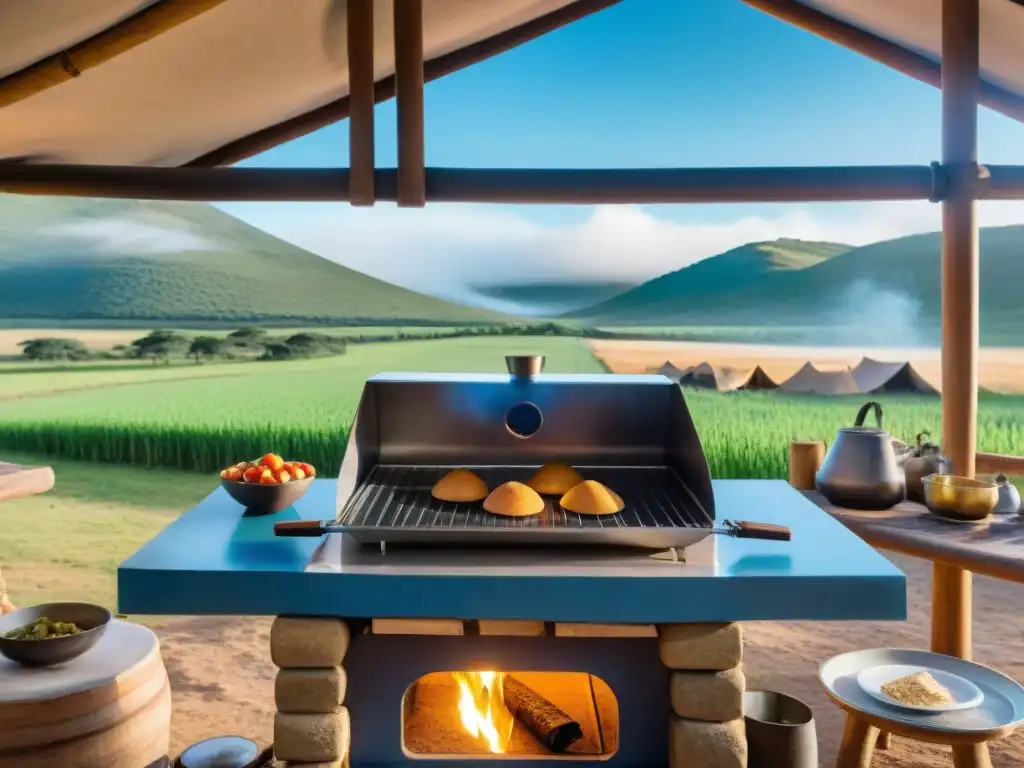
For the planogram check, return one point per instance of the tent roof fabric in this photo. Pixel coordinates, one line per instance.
(917, 26)
(240, 67)
(811, 381)
(247, 65)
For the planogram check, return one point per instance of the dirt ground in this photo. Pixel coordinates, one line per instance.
(223, 681)
(999, 369)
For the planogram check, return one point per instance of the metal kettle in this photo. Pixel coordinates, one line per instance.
(925, 460)
(861, 470)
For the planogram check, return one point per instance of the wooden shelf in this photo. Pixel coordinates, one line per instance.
(17, 481)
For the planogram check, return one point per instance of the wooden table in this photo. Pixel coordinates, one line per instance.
(994, 549)
(17, 481)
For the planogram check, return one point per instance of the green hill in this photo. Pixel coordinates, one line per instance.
(67, 259)
(887, 286)
(743, 266)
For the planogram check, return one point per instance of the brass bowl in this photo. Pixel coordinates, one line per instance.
(960, 499)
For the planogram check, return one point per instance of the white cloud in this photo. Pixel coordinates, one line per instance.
(131, 237)
(446, 249)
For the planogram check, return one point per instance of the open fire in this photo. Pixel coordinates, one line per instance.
(482, 710)
(509, 714)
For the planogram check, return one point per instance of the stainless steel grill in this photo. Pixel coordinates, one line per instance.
(632, 433)
(394, 504)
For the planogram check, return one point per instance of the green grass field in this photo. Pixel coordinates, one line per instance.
(203, 417)
(67, 544)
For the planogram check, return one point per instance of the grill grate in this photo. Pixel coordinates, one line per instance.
(398, 497)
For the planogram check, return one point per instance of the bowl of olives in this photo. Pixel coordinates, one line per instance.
(52, 633)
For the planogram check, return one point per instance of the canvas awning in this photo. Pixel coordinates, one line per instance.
(219, 80)
(907, 35)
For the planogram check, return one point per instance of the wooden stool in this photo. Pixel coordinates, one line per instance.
(968, 732)
(970, 750)
(110, 707)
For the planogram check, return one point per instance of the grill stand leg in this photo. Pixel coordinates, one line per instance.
(311, 724)
(707, 684)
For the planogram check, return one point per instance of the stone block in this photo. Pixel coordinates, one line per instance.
(310, 691)
(714, 647)
(714, 696)
(319, 738)
(301, 642)
(693, 743)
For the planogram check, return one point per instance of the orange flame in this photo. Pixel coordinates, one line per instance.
(482, 708)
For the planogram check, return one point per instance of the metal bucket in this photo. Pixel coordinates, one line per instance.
(780, 731)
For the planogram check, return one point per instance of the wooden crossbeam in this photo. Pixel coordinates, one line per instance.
(100, 48)
(412, 180)
(362, 101)
(883, 51)
(515, 186)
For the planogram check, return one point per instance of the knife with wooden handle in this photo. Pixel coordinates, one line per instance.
(311, 528)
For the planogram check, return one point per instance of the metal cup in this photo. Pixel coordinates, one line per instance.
(524, 366)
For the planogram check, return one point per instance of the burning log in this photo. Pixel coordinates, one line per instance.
(548, 722)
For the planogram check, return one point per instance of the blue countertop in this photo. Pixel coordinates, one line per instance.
(215, 561)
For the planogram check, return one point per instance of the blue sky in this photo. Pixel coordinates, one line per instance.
(644, 83)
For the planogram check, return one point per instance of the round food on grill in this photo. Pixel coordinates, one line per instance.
(554, 479)
(460, 485)
(592, 498)
(514, 500)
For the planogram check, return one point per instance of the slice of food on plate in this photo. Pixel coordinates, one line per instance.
(460, 486)
(592, 498)
(514, 499)
(555, 479)
(918, 690)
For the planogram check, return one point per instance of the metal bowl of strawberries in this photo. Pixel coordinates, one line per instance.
(267, 485)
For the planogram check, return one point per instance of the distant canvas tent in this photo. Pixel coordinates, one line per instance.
(667, 369)
(811, 381)
(874, 376)
(725, 379)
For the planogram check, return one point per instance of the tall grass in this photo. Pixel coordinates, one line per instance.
(304, 409)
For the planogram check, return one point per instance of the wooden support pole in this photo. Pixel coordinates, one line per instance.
(951, 610)
(361, 99)
(583, 187)
(100, 48)
(951, 587)
(912, 64)
(960, 55)
(412, 179)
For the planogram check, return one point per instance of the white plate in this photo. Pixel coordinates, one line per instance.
(966, 694)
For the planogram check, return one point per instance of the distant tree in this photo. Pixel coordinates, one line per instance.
(161, 345)
(248, 338)
(277, 350)
(54, 349)
(205, 347)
